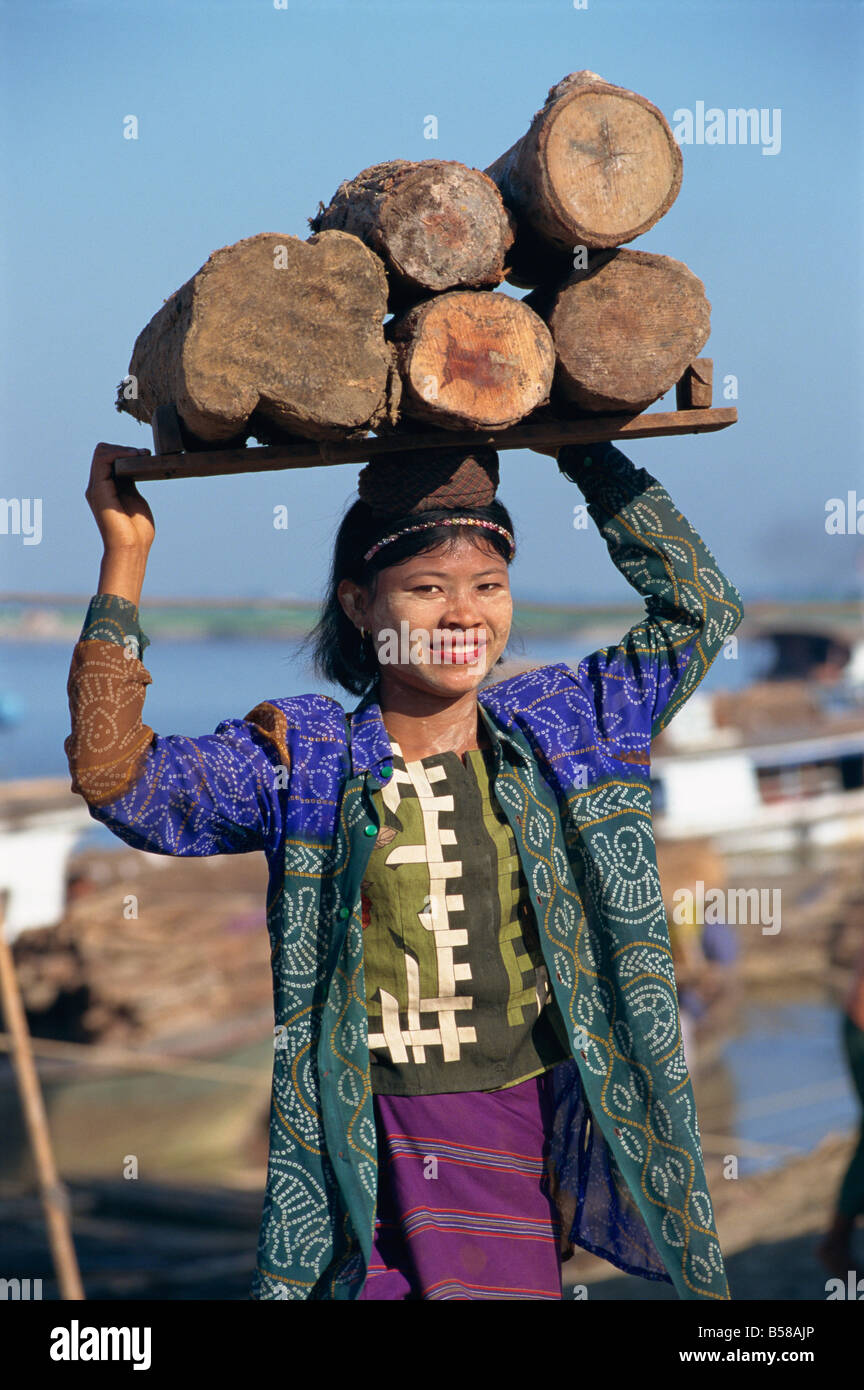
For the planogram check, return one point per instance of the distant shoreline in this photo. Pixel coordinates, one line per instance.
(267, 620)
(58, 617)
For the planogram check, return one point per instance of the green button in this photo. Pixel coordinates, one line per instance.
(344, 912)
(386, 770)
(588, 459)
(371, 829)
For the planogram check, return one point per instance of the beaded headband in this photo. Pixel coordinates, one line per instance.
(448, 521)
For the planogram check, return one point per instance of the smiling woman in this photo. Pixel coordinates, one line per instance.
(419, 577)
(478, 1061)
(419, 594)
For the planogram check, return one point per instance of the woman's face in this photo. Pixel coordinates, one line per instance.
(440, 620)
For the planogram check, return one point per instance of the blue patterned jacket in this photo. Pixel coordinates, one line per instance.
(295, 779)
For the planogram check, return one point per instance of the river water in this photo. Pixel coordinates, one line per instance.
(780, 1084)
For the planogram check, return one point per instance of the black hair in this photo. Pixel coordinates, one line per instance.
(339, 654)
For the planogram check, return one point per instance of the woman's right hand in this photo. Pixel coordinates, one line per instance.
(125, 523)
(123, 516)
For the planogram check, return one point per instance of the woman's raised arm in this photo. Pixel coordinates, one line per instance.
(219, 794)
(691, 607)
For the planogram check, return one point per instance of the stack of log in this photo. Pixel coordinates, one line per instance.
(387, 317)
(170, 970)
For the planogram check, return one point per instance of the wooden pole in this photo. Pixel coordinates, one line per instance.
(55, 1203)
(596, 429)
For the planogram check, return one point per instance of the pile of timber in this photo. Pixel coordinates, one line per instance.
(387, 317)
(168, 971)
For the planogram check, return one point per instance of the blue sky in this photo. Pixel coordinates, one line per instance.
(249, 114)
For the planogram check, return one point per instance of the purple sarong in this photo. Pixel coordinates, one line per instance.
(464, 1210)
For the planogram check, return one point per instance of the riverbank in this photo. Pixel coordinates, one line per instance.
(165, 1241)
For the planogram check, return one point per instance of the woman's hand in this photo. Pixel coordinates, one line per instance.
(124, 518)
(125, 523)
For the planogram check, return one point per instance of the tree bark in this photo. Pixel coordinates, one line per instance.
(625, 329)
(472, 359)
(598, 166)
(273, 337)
(437, 225)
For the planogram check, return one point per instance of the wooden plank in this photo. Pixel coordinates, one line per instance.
(271, 458)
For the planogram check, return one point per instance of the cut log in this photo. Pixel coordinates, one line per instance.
(625, 329)
(598, 166)
(273, 337)
(471, 358)
(437, 224)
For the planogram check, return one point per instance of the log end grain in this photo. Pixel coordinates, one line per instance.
(598, 166)
(437, 224)
(473, 360)
(625, 329)
(613, 164)
(446, 227)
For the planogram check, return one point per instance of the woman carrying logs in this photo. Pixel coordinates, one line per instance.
(478, 1061)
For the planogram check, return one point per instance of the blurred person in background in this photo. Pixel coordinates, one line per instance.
(835, 1249)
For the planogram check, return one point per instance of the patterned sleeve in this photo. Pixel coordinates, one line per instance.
(218, 794)
(111, 618)
(691, 607)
